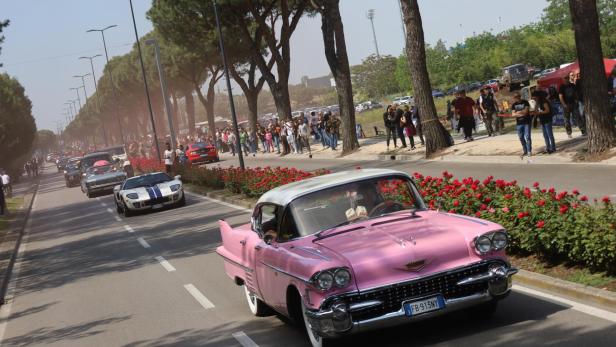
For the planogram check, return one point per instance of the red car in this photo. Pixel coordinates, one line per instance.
(200, 152)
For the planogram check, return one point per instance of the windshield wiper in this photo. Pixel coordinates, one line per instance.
(346, 222)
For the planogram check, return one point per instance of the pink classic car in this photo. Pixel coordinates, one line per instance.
(358, 250)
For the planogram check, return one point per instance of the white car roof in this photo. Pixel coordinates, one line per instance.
(283, 195)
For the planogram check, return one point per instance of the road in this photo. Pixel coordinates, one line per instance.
(596, 181)
(87, 277)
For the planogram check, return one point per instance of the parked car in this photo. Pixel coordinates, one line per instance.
(148, 192)
(515, 75)
(358, 250)
(200, 152)
(61, 163)
(436, 93)
(72, 175)
(493, 83)
(474, 86)
(100, 179)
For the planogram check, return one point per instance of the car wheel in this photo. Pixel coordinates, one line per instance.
(315, 339)
(88, 194)
(257, 307)
(128, 212)
(182, 201)
(118, 208)
(484, 311)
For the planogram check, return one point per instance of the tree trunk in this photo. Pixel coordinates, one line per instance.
(252, 99)
(280, 92)
(435, 133)
(189, 101)
(336, 54)
(599, 121)
(208, 104)
(176, 115)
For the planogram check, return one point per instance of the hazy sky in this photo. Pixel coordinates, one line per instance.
(46, 37)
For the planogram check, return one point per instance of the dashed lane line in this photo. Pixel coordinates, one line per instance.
(243, 339)
(201, 299)
(593, 311)
(117, 218)
(129, 229)
(143, 242)
(109, 210)
(167, 265)
(103, 204)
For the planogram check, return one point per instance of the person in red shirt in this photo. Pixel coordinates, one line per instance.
(464, 109)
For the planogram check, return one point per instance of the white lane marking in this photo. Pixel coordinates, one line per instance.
(201, 299)
(109, 210)
(98, 198)
(143, 242)
(593, 311)
(220, 202)
(129, 229)
(167, 265)
(104, 204)
(5, 310)
(243, 339)
(118, 218)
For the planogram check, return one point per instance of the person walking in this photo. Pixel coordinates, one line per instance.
(417, 123)
(168, 158)
(465, 112)
(520, 110)
(304, 136)
(389, 119)
(277, 130)
(409, 127)
(232, 142)
(269, 143)
(487, 105)
(543, 111)
(399, 125)
(334, 130)
(6, 182)
(580, 117)
(243, 143)
(567, 95)
(3, 209)
(252, 142)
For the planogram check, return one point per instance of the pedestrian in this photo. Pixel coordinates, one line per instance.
(465, 113)
(243, 144)
(261, 135)
(6, 182)
(450, 116)
(520, 110)
(304, 136)
(232, 142)
(291, 137)
(409, 127)
(567, 95)
(389, 119)
(321, 130)
(334, 130)
(269, 142)
(611, 89)
(180, 153)
(252, 142)
(580, 117)
(3, 209)
(543, 111)
(276, 135)
(359, 131)
(487, 105)
(168, 158)
(417, 123)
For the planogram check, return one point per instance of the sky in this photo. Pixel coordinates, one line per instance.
(46, 38)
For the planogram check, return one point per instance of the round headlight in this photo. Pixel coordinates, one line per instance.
(325, 280)
(342, 277)
(499, 240)
(483, 244)
(132, 196)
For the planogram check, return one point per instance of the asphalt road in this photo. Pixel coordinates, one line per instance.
(593, 180)
(88, 278)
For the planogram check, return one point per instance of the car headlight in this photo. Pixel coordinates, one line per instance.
(325, 280)
(175, 187)
(342, 277)
(483, 244)
(132, 196)
(499, 240)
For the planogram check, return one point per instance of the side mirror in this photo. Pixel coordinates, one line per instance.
(116, 188)
(177, 177)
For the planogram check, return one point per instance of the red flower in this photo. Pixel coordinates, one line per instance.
(508, 196)
(540, 224)
(456, 203)
(584, 198)
(521, 215)
(563, 209)
(536, 184)
(606, 199)
(483, 207)
(575, 192)
(477, 214)
(541, 202)
(505, 209)
(487, 200)
(478, 196)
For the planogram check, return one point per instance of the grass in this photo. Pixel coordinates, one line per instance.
(566, 272)
(12, 204)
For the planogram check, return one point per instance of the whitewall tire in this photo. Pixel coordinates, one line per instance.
(255, 305)
(315, 339)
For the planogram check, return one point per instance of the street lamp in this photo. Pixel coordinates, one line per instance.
(163, 87)
(83, 84)
(76, 89)
(98, 99)
(370, 16)
(240, 157)
(145, 81)
(113, 91)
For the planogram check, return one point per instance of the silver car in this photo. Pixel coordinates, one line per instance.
(101, 179)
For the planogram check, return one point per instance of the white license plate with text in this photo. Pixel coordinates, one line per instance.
(414, 308)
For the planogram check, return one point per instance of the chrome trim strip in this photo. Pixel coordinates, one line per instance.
(315, 253)
(307, 281)
(465, 218)
(247, 269)
(363, 305)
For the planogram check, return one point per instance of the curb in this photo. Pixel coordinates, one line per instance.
(577, 292)
(6, 277)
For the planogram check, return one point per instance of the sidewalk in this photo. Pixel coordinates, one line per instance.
(501, 149)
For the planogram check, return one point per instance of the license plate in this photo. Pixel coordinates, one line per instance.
(157, 206)
(422, 306)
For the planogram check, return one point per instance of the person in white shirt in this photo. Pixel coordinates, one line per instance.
(303, 136)
(291, 137)
(6, 182)
(168, 155)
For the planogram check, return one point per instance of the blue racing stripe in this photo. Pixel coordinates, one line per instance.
(157, 191)
(150, 193)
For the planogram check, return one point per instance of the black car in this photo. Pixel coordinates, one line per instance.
(61, 163)
(72, 174)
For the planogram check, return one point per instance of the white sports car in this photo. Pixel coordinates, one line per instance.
(148, 192)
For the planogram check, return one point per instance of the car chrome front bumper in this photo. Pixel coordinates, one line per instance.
(337, 319)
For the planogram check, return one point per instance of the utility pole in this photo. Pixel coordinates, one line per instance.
(163, 87)
(236, 130)
(370, 16)
(145, 81)
(98, 99)
(76, 89)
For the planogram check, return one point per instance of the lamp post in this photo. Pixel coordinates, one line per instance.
(370, 16)
(240, 156)
(83, 85)
(113, 91)
(98, 98)
(76, 89)
(163, 87)
(70, 108)
(145, 80)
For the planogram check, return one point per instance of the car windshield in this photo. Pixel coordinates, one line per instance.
(353, 202)
(99, 170)
(89, 161)
(199, 145)
(146, 181)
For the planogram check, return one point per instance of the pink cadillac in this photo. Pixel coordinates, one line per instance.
(358, 250)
